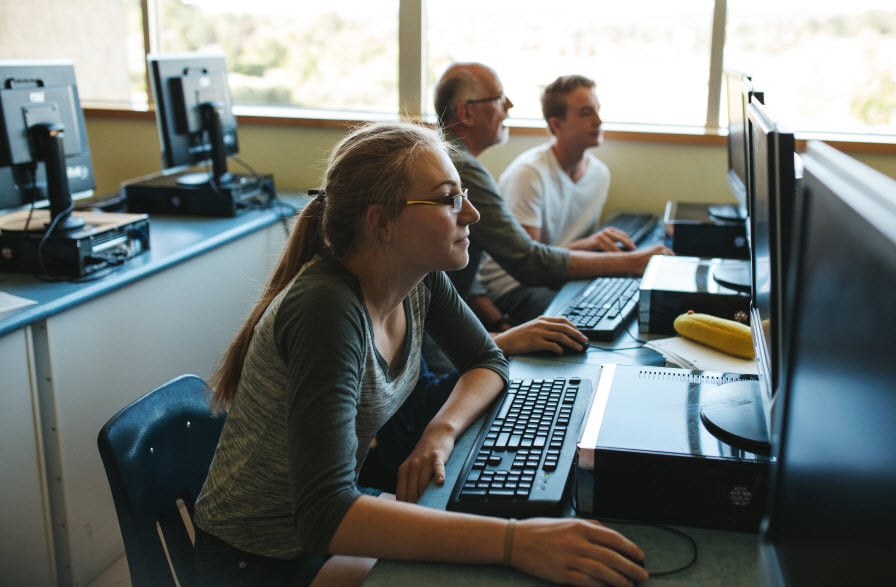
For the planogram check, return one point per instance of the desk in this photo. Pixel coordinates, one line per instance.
(724, 558)
(84, 351)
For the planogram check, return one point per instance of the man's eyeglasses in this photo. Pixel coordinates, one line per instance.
(456, 201)
(499, 98)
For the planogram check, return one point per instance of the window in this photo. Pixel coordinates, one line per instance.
(339, 55)
(649, 58)
(103, 38)
(823, 65)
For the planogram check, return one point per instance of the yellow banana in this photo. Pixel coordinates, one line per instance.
(721, 334)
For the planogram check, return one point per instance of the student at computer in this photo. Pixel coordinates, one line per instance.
(557, 191)
(471, 106)
(329, 353)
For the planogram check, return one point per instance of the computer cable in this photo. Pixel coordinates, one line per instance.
(248, 167)
(111, 260)
(688, 540)
(286, 212)
(628, 331)
(41, 251)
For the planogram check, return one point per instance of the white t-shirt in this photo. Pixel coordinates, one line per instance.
(541, 195)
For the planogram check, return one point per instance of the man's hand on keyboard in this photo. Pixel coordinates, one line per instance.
(607, 239)
(640, 257)
(543, 334)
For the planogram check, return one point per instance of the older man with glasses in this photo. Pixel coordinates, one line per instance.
(471, 107)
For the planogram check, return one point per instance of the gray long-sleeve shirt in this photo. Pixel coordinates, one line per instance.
(499, 234)
(313, 393)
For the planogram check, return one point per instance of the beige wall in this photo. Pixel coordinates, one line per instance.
(645, 174)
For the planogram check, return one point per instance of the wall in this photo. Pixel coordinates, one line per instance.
(645, 174)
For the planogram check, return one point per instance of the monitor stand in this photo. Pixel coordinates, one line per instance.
(735, 414)
(203, 178)
(726, 212)
(733, 274)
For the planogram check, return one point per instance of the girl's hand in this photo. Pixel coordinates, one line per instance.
(426, 462)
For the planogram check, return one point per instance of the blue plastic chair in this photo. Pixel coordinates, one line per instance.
(157, 452)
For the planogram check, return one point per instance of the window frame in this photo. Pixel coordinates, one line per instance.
(412, 93)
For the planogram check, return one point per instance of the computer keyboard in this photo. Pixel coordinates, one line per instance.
(603, 307)
(638, 225)
(522, 458)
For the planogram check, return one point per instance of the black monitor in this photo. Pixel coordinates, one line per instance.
(831, 518)
(739, 91)
(739, 413)
(772, 199)
(44, 152)
(194, 115)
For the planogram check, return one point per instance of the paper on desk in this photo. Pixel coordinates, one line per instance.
(10, 302)
(688, 354)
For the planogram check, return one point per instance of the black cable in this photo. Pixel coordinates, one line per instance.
(48, 232)
(113, 260)
(612, 349)
(628, 331)
(681, 534)
(248, 167)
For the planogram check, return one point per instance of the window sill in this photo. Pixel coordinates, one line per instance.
(848, 143)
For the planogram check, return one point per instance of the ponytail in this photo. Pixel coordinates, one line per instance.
(305, 241)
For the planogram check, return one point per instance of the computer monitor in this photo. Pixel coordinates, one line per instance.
(831, 518)
(739, 91)
(739, 413)
(194, 114)
(772, 197)
(44, 152)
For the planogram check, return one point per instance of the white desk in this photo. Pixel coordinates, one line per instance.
(25, 553)
(88, 349)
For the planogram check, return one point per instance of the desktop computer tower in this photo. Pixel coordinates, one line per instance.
(673, 285)
(691, 230)
(167, 194)
(104, 241)
(646, 456)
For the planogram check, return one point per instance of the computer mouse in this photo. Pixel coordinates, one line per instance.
(637, 562)
(568, 350)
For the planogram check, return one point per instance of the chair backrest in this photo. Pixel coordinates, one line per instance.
(156, 452)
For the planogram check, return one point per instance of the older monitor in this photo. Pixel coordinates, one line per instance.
(44, 153)
(740, 413)
(194, 113)
(197, 129)
(773, 151)
(739, 92)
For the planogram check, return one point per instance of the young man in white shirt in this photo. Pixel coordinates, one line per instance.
(557, 192)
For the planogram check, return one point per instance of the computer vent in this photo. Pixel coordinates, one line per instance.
(700, 377)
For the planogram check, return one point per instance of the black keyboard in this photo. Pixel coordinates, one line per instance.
(603, 307)
(523, 456)
(638, 225)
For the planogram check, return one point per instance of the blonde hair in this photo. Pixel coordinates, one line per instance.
(372, 164)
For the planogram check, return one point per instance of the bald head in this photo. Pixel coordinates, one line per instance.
(459, 83)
